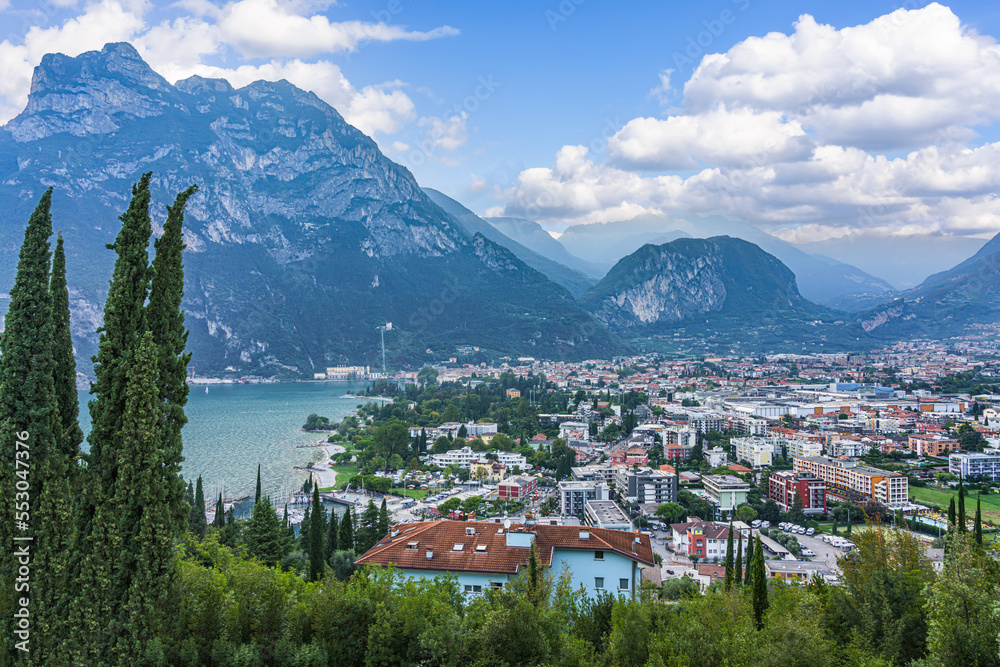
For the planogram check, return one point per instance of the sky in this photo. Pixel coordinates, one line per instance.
(816, 121)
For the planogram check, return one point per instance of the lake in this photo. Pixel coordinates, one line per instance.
(234, 427)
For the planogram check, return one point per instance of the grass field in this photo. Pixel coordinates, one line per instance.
(419, 494)
(344, 473)
(940, 498)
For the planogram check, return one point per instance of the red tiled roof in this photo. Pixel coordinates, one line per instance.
(441, 536)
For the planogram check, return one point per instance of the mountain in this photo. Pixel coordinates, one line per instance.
(530, 234)
(302, 239)
(946, 303)
(820, 278)
(903, 261)
(576, 282)
(721, 287)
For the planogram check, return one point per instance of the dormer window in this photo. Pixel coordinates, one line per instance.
(412, 545)
(480, 548)
(458, 547)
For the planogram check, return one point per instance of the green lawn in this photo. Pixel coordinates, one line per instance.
(344, 473)
(940, 498)
(419, 494)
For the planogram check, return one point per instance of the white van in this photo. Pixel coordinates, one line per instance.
(810, 532)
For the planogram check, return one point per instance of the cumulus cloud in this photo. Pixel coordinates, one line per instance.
(816, 134)
(718, 136)
(447, 134)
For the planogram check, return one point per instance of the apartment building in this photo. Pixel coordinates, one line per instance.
(575, 494)
(925, 444)
(784, 486)
(757, 452)
(849, 480)
(707, 539)
(726, 491)
(970, 464)
(646, 486)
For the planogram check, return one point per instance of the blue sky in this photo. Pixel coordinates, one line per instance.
(860, 120)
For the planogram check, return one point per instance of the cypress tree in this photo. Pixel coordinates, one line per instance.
(730, 573)
(961, 507)
(166, 322)
(256, 495)
(759, 586)
(220, 513)
(144, 566)
(383, 521)
(284, 521)
(304, 528)
(748, 575)
(64, 372)
(951, 514)
(27, 395)
(197, 520)
(979, 522)
(332, 533)
(265, 538)
(345, 540)
(317, 538)
(124, 326)
(189, 499)
(738, 568)
(532, 575)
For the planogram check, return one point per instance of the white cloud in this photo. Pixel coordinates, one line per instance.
(263, 28)
(477, 183)
(896, 82)
(447, 134)
(790, 132)
(400, 147)
(379, 109)
(717, 136)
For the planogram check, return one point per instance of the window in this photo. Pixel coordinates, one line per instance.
(599, 583)
(496, 585)
(598, 555)
(623, 584)
(473, 588)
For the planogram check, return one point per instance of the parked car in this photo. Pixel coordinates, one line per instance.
(808, 552)
(755, 523)
(765, 524)
(810, 532)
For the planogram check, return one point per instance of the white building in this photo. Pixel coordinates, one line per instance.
(757, 452)
(512, 460)
(574, 495)
(844, 447)
(968, 464)
(716, 457)
(798, 448)
(574, 431)
(453, 457)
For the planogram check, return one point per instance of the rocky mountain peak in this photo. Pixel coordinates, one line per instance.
(93, 93)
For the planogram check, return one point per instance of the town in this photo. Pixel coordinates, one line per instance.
(657, 463)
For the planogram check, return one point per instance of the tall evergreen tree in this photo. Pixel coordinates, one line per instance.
(189, 499)
(197, 522)
(166, 322)
(383, 521)
(730, 573)
(284, 520)
(748, 575)
(962, 528)
(332, 533)
(27, 396)
(979, 522)
(738, 567)
(144, 566)
(365, 536)
(264, 536)
(317, 538)
(64, 372)
(345, 540)
(256, 495)
(220, 513)
(124, 326)
(952, 520)
(304, 528)
(759, 586)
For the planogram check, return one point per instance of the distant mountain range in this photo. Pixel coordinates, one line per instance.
(720, 286)
(302, 240)
(946, 303)
(820, 278)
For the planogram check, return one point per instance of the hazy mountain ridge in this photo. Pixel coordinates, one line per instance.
(302, 239)
(577, 283)
(946, 303)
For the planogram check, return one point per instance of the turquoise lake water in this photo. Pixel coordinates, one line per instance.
(234, 427)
